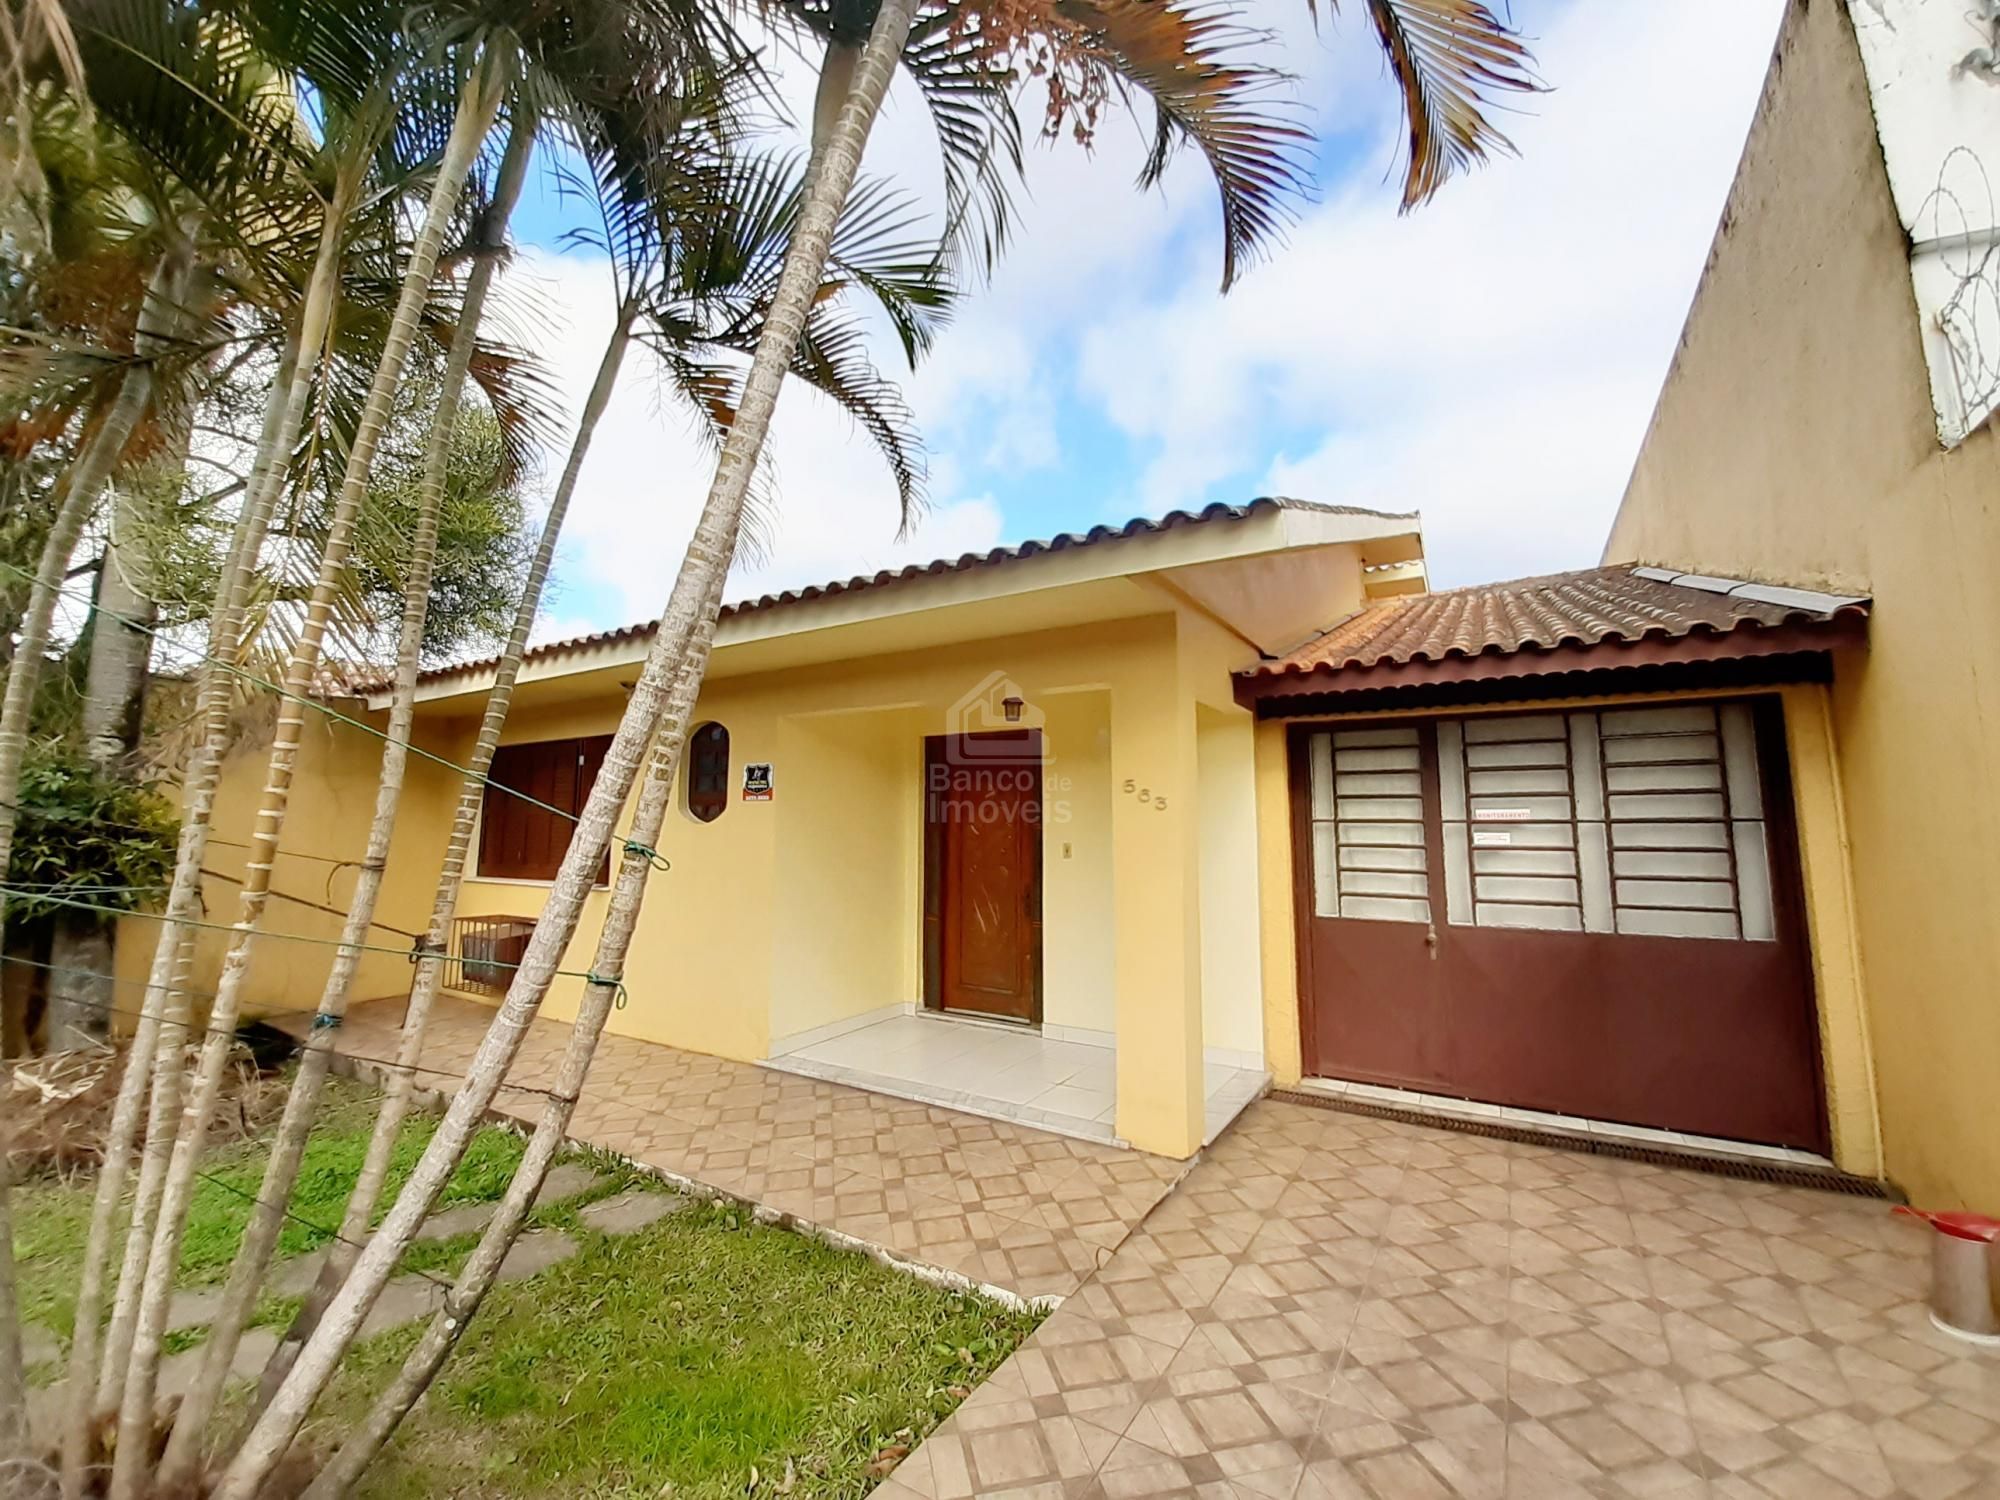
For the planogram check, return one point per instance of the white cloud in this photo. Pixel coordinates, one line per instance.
(646, 474)
(1490, 360)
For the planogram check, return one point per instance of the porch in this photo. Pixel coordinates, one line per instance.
(1000, 1205)
(1065, 1083)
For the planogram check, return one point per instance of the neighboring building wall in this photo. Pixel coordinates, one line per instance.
(1794, 441)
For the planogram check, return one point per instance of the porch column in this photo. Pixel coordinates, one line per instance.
(1155, 862)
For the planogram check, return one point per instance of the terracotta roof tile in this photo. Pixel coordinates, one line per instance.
(1593, 607)
(1137, 526)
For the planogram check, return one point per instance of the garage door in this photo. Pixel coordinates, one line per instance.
(1594, 912)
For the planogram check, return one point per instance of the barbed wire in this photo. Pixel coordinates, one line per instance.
(1971, 255)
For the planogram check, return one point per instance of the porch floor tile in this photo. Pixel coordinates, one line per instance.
(1335, 1305)
(1005, 1072)
(1001, 1204)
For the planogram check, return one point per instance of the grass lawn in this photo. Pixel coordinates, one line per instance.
(687, 1358)
(52, 1219)
(699, 1354)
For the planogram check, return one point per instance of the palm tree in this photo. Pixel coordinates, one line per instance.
(702, 280)
(260, 1236)
(1451, 48)
(343, 48)
(204, 134)
(479, 100)
(423, 1362)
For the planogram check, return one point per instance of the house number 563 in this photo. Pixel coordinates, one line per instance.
(1146, 795)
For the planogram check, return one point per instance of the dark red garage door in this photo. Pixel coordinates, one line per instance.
(1594, 912)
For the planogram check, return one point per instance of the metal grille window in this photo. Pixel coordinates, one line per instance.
(1367, 795)
(1510, 823)
(1689, 852)
(1645, 820)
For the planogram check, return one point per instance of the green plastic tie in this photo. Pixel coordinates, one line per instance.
(616, 986)
(649, 854)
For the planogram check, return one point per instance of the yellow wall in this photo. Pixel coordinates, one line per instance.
(1277, 932)
(848, 874)
(1231, 960)
(326, 823)
(1079, 968)
(783, 916)
(1794, 441)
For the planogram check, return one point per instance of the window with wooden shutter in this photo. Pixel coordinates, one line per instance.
(522, 839)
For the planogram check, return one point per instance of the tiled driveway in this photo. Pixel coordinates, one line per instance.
(1333, 1306)
(1336, 1306)
(1002, 1205)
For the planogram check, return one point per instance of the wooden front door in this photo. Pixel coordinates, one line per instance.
(983, 874)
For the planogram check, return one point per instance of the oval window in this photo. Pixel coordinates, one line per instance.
(708, 772)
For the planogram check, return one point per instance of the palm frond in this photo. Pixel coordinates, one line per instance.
(969, 92)
(1188, 59)
(878, 246)
(832, 357)
(970, 96)
(1451, 59)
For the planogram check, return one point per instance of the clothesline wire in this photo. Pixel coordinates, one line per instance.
(108, 1009)
(56, 815)
(7, 892)
(36, 889)
(245, 675)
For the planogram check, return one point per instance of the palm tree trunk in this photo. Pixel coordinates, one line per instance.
(420, 1368)
(81, 992)
(160, 1037)
(85, 487)
(159, 1041)
(267, 1218)
(829, 179)
(429, 975)
(165, 293)
(478, 103)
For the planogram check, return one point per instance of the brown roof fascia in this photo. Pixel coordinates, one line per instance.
(1266, 692)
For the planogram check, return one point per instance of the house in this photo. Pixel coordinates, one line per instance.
(1013, 790)
(1693, 848)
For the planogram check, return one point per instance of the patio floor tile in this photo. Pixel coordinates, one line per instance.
(1336, 1307)
(1004, 1205)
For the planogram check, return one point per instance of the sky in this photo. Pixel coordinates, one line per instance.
(1490, 360)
